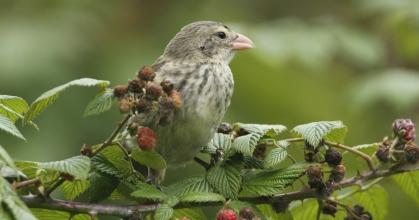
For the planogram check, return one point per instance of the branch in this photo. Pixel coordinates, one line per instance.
(128, 210)
(113, 135)
(354, 151)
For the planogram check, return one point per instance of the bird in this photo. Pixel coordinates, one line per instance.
(196, 61)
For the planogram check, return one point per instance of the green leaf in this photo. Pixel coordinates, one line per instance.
(314, 132)
(275, 156)
(116, 156)
(102, 164)
(101, 103)
(374, 200)
(201, 197)
(147, 191)
(74, 188)
(10, 199)
(78, 166)
(191, 213)
(5, 214)
(192, 184)
(12, 107)
(218, 142)
(101, 186)
(269, 182)
(149, 158)
(270, 214)
(246, 144)
(163, 212)
(304, 210)
(225, 179)
(46, 214)
(49, 97)
(5, 158)
(29, 168)
(365, 148)
(409, 183)
(262, 129)
(251, 162)
(7, 125)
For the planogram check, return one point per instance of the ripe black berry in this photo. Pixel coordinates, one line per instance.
(333, 157)
(136, 85)
(246, 213)
(411, 153)
(315, 177)
(330, 208)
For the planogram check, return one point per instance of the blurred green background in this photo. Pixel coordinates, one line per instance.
(355, 61)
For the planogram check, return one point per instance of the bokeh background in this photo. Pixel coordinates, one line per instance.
(354, 60)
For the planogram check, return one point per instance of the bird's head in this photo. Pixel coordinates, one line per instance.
(204, 41)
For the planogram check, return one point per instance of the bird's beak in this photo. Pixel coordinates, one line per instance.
(242, 42)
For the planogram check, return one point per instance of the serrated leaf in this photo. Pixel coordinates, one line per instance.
(219, 141)
(225, 179)
(78, 166)
(192, 184)
(191, 213)
(275, 156)
(101, 186)
(7, 125)
(49, 97)
(28, 168)
(365, 148)
(100, 163)
(374, 200)
(262, 129)
(314, 132)
(304, 210)
(6, 159)
(246, 144)
(269, 182)
(46, 214)
(251, 162)
(147, 191)
(12, 107)
(270, 214)
(150, 159)
(163, 212)
(409, 183)
(10, 199)
(201, 197)
(116, 156)
(101, 103)
(74, 188)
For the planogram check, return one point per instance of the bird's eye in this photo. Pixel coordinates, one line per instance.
(221, 35)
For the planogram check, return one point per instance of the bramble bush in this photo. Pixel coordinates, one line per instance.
(249, 173)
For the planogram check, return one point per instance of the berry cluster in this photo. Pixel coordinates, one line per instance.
(156, 103)
(402, 147)
(245, 213)
(143, 95)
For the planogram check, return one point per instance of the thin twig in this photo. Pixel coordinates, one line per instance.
(112, 136)
(201, 162)
(354, 151)
(18, 185)
(54, 186)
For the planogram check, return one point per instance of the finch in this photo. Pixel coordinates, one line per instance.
(196, 61)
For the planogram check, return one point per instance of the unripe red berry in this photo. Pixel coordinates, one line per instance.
(246, 213)
(146, 73)
(404, 129)
(333, 157)
(226, 214)
(120, 90)
(146, 138)
(153, 91)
